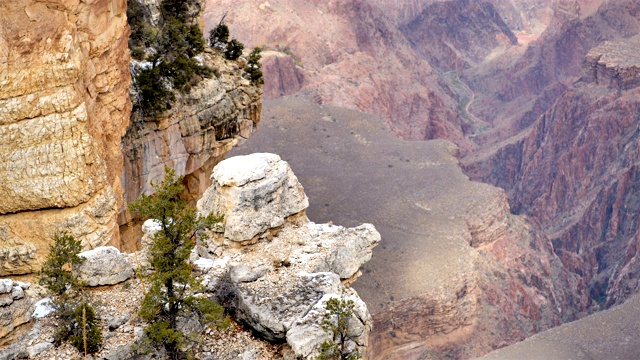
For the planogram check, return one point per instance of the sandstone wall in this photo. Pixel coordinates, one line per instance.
(64, 107)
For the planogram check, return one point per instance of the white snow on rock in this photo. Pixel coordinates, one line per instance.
(42, 308)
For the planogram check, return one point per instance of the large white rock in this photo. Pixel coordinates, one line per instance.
(104, 265)
(255, 193)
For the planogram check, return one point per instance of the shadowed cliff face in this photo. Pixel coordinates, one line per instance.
(64, 106)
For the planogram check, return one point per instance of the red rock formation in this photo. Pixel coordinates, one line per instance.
(574, 171)
(352, 55)
(282, 74)
(454, 35)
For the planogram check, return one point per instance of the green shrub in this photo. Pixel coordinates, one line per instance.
(56, 273)
(153, 96)
(219, 36)
(90, 323)
(254, 70)
(234, 50)
(57, 276)
(336, 324)
(173, 45)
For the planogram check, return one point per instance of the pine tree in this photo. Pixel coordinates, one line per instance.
(68, 298)
(254, 70)
(56, 273)
(234, 50)
(219, 36)
(171, 64)
(336, 325)
(173, 289)
(85, 316)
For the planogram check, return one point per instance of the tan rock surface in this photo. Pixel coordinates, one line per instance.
(64, 106)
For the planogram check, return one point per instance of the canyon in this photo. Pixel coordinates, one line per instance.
(547, 110)
(493, 144)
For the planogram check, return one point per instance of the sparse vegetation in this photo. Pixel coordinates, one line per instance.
(339, 312)
(254, 71)
(168, 54)
(234, 50)
(219, 36)
(68, 300)
(90, 339)
(173, 292)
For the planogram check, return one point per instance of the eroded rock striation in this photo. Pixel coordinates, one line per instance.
(64, 107)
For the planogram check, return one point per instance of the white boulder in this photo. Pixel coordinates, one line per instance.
(254, 193)
(104, 265)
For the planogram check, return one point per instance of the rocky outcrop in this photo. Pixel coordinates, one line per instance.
(15, 305)
(454, 35)
(279, 284)
(284, 76)
(255, 193)
(615, 63)
(64, 106)
(104, 265)
(455, 267)
(195, 134)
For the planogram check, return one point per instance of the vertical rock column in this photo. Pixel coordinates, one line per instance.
(64, 108)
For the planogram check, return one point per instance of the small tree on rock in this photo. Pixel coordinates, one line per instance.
(234, 50)
(57, 276)
(219, 36)
(339, 313)
(173, 289)
(254, 71)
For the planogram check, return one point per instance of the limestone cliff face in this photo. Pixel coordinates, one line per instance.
(195, 134)
(64, 107)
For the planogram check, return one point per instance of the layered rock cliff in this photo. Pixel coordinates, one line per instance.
(196, 134)
(64, 107)
(197, 131)
(574, 169)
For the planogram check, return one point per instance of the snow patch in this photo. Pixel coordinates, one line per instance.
(42, 308)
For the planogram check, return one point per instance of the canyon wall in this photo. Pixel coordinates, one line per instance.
(196, 134)
(64, 107)
(349, 54)
(455, 35)
(573, 170)
(456, 274)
